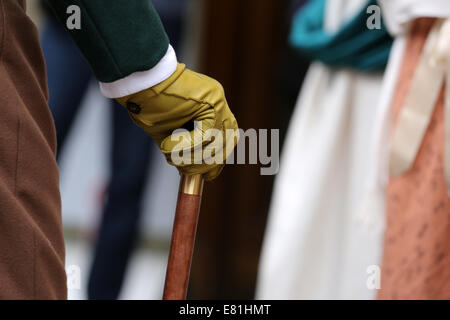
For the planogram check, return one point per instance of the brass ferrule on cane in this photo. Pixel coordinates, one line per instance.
(192, 184)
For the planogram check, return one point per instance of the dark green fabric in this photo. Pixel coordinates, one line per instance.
(118, 37)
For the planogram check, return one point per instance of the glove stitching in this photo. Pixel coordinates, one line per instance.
(195, 100)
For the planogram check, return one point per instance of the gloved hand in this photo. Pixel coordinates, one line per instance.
(187, 98)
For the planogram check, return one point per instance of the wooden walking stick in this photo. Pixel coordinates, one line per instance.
(183, 237)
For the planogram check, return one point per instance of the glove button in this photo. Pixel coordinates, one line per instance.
(133, 107)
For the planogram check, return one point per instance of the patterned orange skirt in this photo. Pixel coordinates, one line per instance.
(416, 259)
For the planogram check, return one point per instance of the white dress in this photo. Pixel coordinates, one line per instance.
(326, 220)
(315, 246)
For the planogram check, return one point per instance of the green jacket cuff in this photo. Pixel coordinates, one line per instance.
(117, 37)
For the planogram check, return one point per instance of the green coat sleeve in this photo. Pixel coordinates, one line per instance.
(117, 37)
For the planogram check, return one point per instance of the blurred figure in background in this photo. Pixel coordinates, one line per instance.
(314, 248)
(416, 255)
(291, 73)
(130, 152)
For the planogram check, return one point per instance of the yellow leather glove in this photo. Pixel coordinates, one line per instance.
(184, 99)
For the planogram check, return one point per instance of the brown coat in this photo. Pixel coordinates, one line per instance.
(31, 240)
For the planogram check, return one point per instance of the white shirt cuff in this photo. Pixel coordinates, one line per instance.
(142, 80)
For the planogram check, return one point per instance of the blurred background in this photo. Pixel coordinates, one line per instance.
(243, 44)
